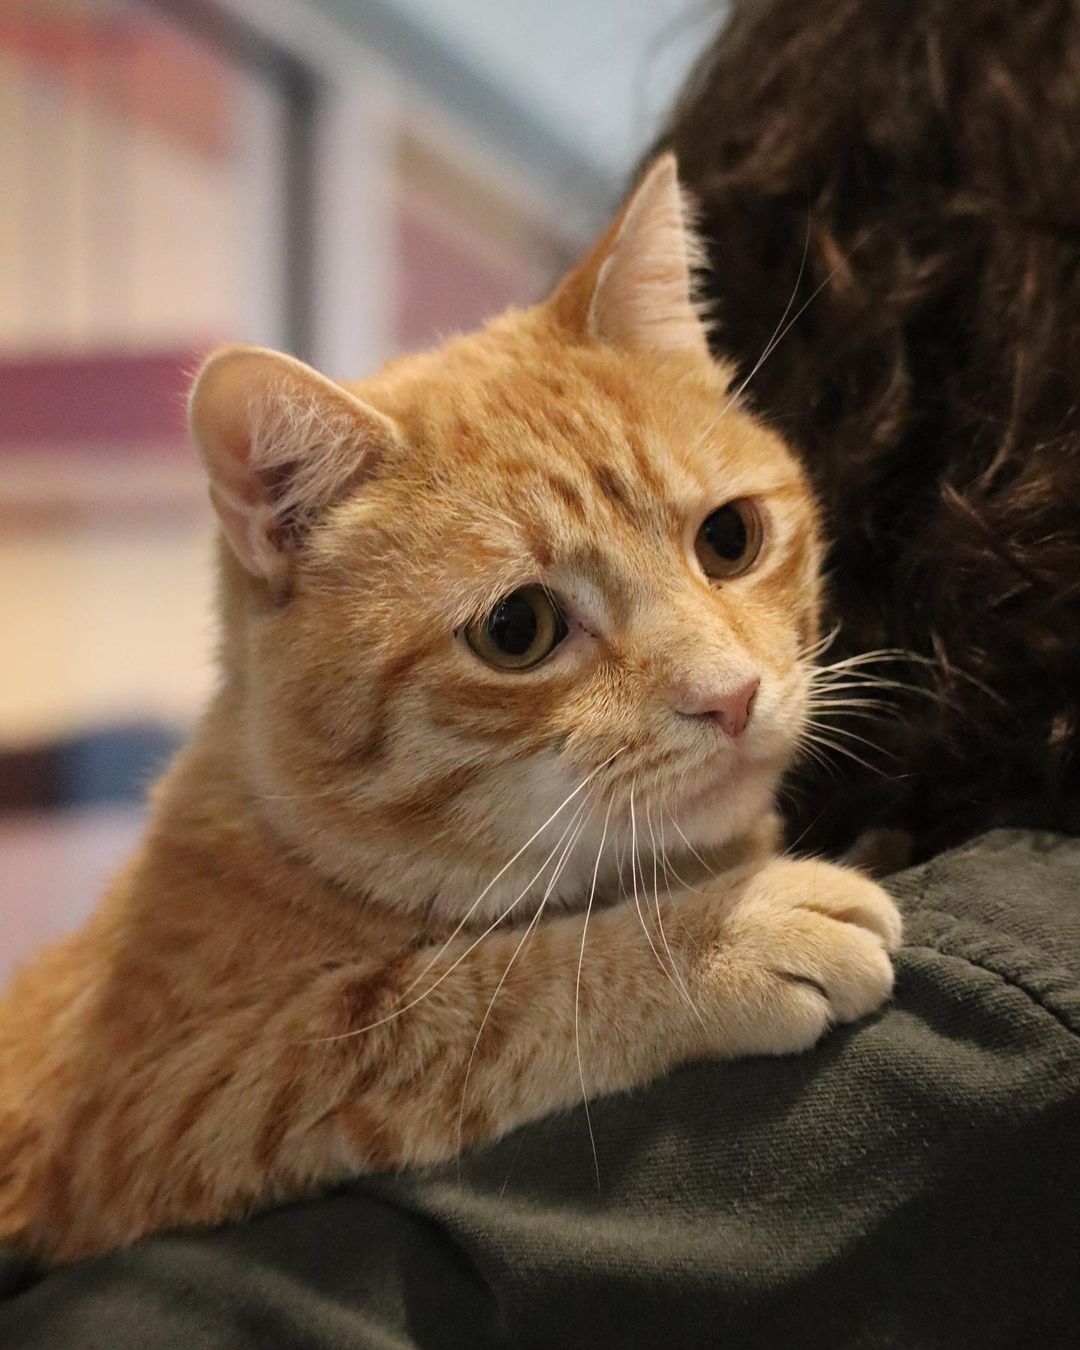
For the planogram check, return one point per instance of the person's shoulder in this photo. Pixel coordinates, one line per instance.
(1007, 905)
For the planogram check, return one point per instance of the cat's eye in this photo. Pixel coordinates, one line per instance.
(730, 539)
(523, 628)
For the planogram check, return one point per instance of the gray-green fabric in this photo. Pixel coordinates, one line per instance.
(914, 1182)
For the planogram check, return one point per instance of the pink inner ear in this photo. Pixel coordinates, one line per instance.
(244, 496)
(642, 299)
(233, 520)
(232, 462)
(239, 526)
(644, 304)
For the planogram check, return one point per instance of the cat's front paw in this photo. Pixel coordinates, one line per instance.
(813, 946)
(841, 894)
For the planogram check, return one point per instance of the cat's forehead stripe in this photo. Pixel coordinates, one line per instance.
(610, 585)
(613, 487)
(567, 493)
(591, 489)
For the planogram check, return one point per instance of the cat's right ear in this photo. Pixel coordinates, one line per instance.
(635, 288)
(280, 443)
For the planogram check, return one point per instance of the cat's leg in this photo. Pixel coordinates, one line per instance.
(469, 1043)
(880, 852)
(334, 1070)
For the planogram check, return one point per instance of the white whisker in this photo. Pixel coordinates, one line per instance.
(397, 1012)
(816, 738)
(690, 846)
(660, 925)
(835, 729)
(669, 867)
(822, 645)
(502, 871)
(634, 865)
(780, 330)
(581, 816)
(874, 705)
(878, 656)
(577, 996)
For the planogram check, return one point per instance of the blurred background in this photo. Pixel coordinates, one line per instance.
(344, 179)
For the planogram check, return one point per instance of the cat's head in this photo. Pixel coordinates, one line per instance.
(546, 584)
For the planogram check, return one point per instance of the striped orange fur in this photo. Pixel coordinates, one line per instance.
(394, 901)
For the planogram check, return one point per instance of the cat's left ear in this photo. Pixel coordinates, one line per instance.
(280, 443)
(635, 289)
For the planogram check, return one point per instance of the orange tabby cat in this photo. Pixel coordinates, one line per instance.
(516, 645)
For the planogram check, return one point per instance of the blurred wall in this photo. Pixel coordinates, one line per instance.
(576, 87)
(446, 157)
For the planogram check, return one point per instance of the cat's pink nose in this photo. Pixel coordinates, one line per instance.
(729, 708)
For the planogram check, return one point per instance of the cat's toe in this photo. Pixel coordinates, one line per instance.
(846, 970)
(860, 977)
(851, 898)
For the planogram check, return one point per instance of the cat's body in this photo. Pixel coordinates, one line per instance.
(408, 887)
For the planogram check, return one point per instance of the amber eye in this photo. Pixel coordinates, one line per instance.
(730, 539)
(523, 628)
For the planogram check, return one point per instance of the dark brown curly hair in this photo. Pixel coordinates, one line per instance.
(911, 174)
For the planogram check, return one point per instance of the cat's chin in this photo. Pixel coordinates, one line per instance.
(716, 808)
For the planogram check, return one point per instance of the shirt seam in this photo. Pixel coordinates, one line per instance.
(1061, 1018)
(931, 873)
